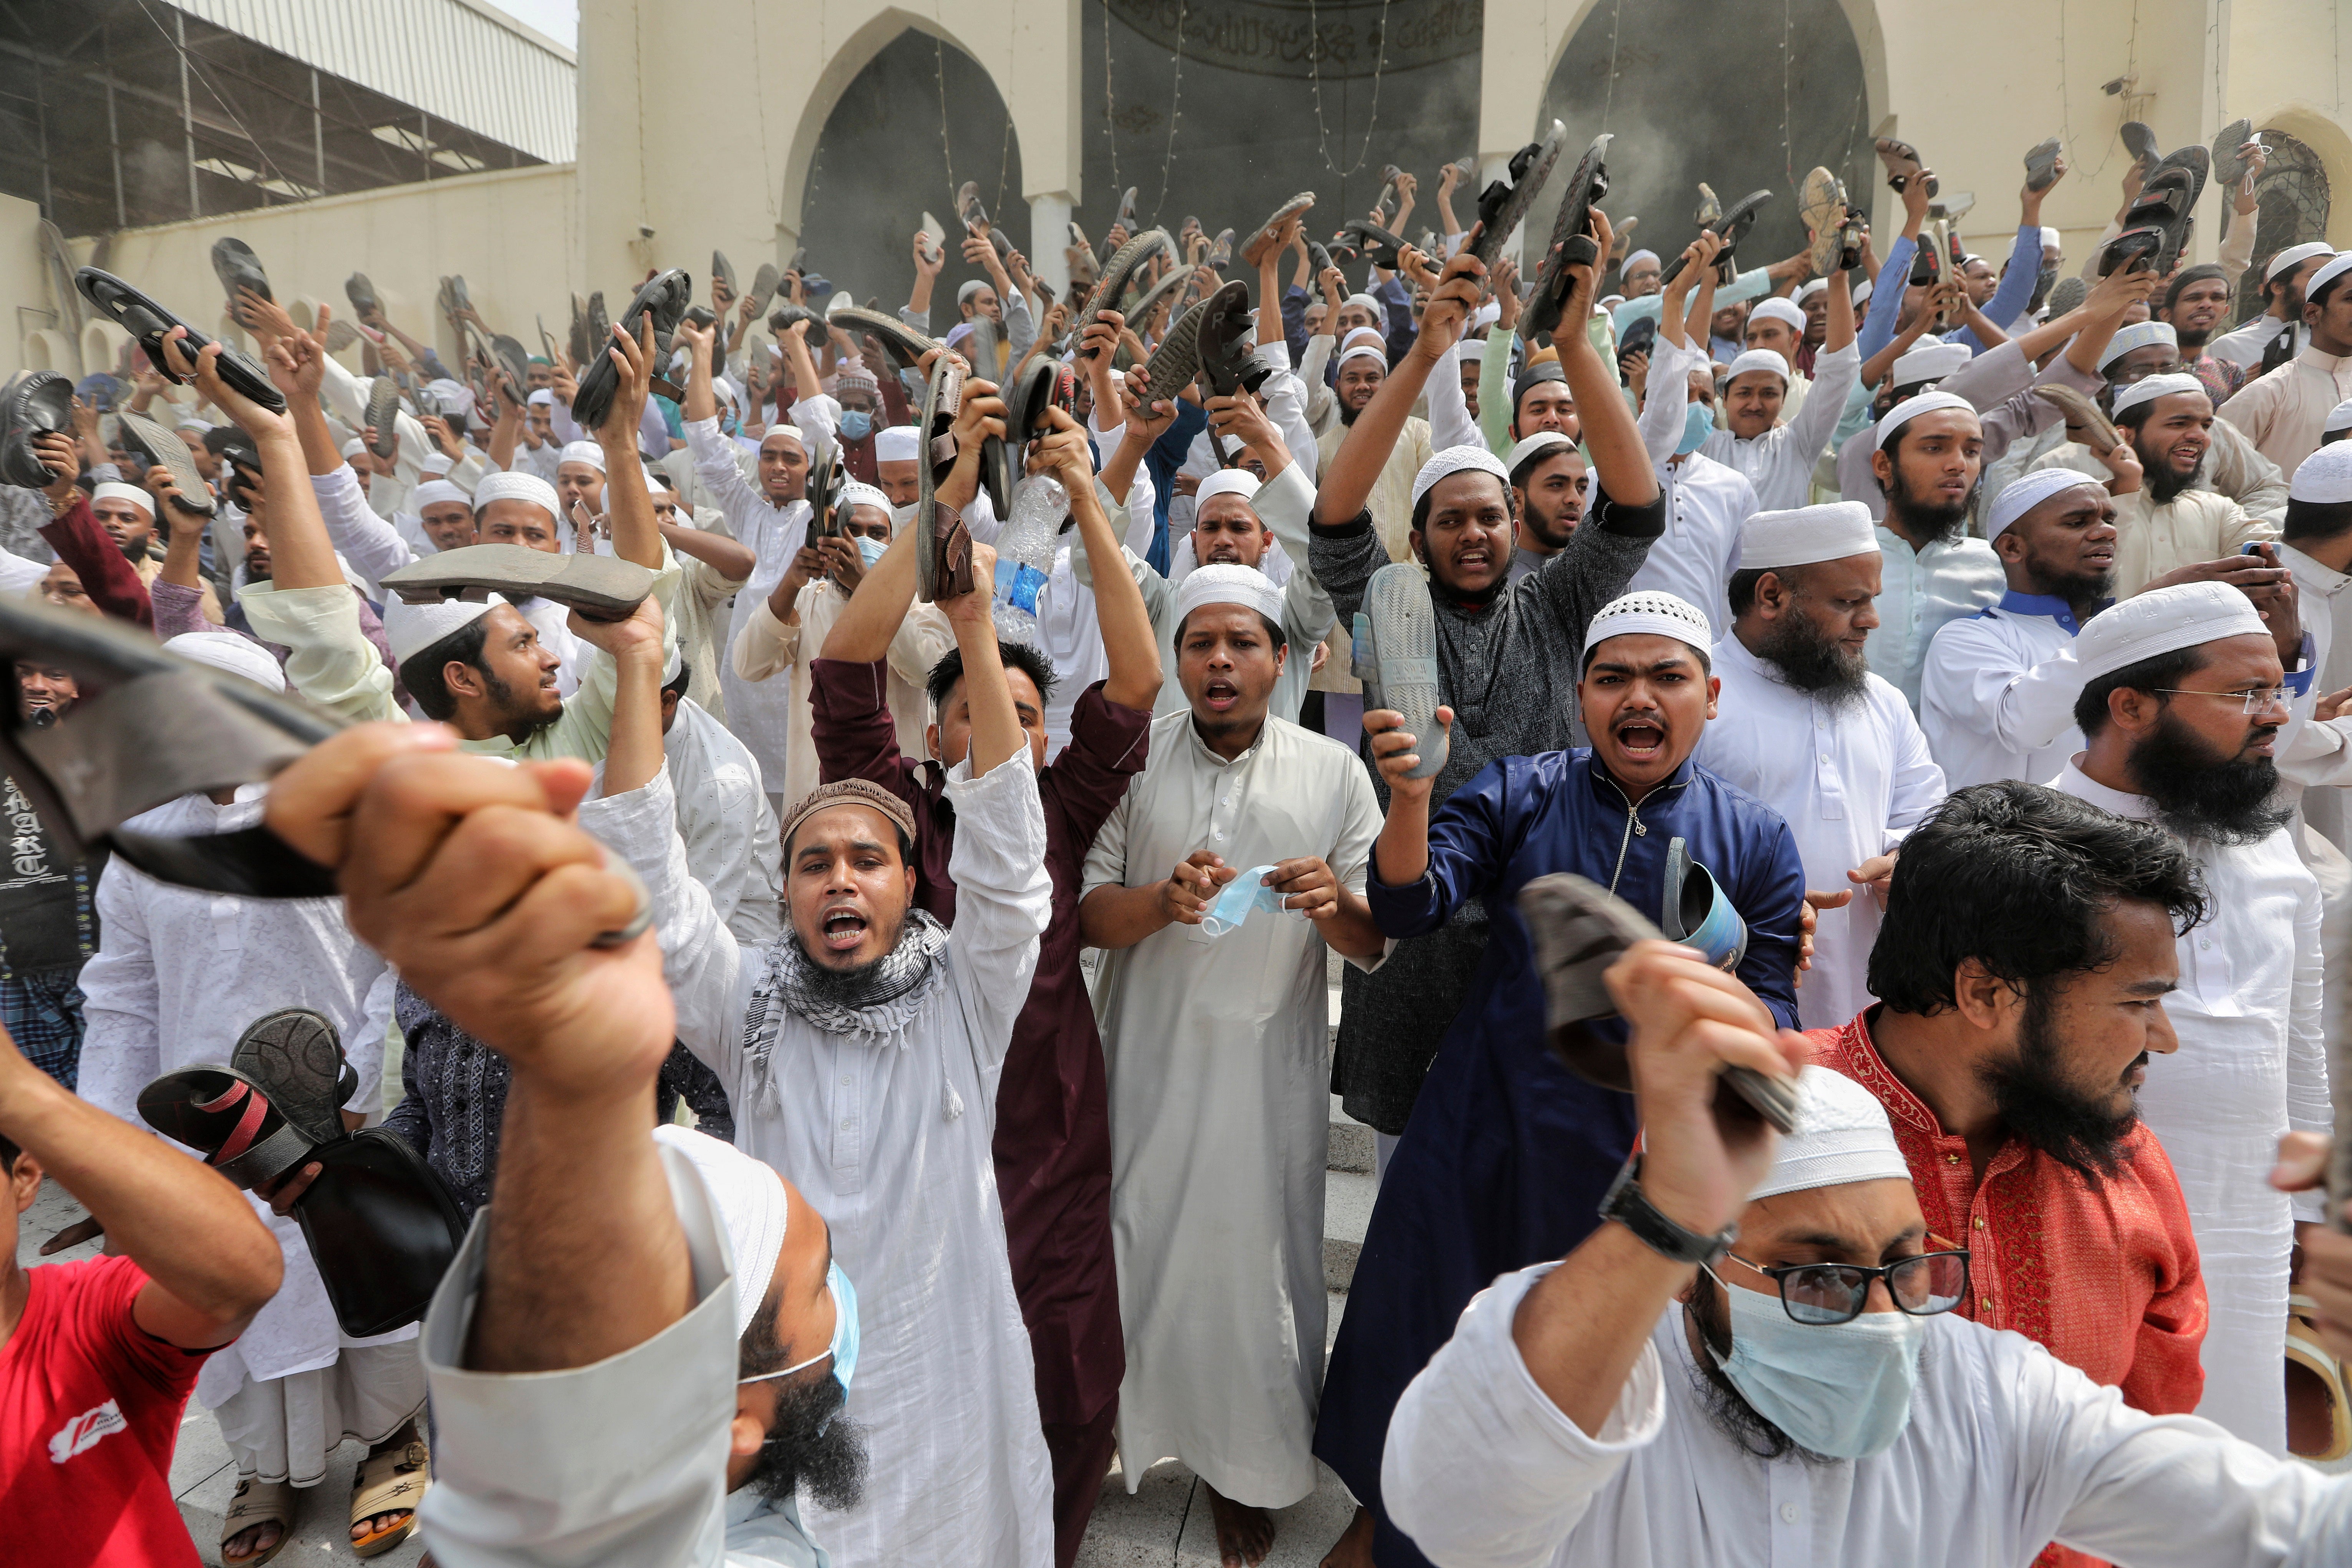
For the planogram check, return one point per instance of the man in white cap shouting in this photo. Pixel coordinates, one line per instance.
(1804, 726)
(579, 480)
(2280, 330)
(1360, 371)
(1508, 1151)
(1755, 1356)
(1996, 691)
(2284, 409)
(2162, 521)
(1215, 1038)
(2181, 707)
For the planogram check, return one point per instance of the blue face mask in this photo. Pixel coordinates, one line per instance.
(1698, 424)
(856, 424)
(1839, 1389)
(1243, 897)
(871, 549)
(844, 1348)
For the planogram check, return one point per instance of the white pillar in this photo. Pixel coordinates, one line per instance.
(1049, 236)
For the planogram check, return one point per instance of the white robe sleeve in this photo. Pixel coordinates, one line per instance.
(1661, 419)
(1970, 682)
(1834, 375)
(372, 546)
(1450, 424)
(1005, 899)
(715, 466)
(120, 1010)
(2309, 1108)
(1919, 782)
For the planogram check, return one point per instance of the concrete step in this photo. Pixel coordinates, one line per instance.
(1347, 1210)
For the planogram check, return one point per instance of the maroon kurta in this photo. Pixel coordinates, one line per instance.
(1052, 1112)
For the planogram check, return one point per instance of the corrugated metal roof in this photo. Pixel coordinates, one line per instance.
(452, 59)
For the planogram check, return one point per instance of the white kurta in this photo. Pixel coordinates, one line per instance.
(1851, 782)
(1919, 592)
(888, 1136)
(1997, 693)
(178, 977)
(727, 825)
(1220, 1065)
(2251, 1066)
(2007, 1447)
(1706, 506)
(759, 712)
(1779, 462)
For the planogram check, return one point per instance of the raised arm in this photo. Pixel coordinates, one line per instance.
(635, 535)
(1119, 613)
(1620, 466)
(1364, 452)
(299, 553)
(111, 582)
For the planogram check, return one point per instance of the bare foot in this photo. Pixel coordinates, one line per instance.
(1354, 1547)
(248, 1544)
(1244, 1534)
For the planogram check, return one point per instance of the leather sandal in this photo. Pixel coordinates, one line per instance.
(2314, 1374)
(1503, 204)
(602, 587)
(391, 1482)
(1227, 362)
(1902, 161)
(236, 266)
(663, 300)
(1254, 248)
(1572, 243)
(149, 323)
(36, 403)
(1003, 462)
(942, 554)
(1121, 270)
(2157, 226)
(167, 450)
(2041, 164)
(256, 1503)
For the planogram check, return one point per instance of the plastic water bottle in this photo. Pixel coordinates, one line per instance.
(1025, 553)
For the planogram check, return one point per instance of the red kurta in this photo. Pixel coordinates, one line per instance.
(2103, 1276)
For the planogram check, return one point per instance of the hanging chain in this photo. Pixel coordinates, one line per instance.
(1175, 114)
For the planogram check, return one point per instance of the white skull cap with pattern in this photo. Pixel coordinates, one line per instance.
(1649, 613)
(230, 654)
(2324, 478)
(516, 486)
(1226, 482)
(1843, 1135)
(1455, 460)
(1785, 312)
(2164, 620)
(2138, 335)
(898, 444)
(1771, 360)
(1229, 585)
(2027, 491)
(1910, 408)
(2148, 389)
(409, 629)
(1802, 535)
(2294, 256)
(586, 452)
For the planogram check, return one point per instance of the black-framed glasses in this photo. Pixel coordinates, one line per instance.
(1825, 1293)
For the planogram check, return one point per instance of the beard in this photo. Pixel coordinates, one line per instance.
(2199, 793)
(2163, 484)
(2041, 1105)
(1942, 522)
(1814, 664)
(1726, 1406)
(811, 1445)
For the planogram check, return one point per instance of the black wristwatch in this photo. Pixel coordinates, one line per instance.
(1630, 1207)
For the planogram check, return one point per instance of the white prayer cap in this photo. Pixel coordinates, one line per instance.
(1229, 585)
(111, 490)
(2149, 388)
(354, 447)
(2163, 620)
(1929, 362)
(2051, 239)
(857, 493)
(1379, 312)
(1364, 335)
(586, 452)
(1771, 360)
(2328, 273)
(1542, 444)
(749, 1198)
(1910, 408)
(1454, 460)
(2338, 418)
(1649, 613)
(898, 444)
(1831, 532)
(2138, 335)
(433, 491)
(2294, 256)
(1843, 1135)
(2027, 491)
(1226, 482)
(657, 481)
(1486, 314)
(2324, 478)
(542, 398)
(409, 629)
(786, 429)
(1862, 292)
(1605, 302)
(453, 394)
(964, 294)
(436, 463)
(190, 422)
(232, 655)
(1639, 256)
(1364, 351)
(724, 387)
(1785, 312)
(517, 486)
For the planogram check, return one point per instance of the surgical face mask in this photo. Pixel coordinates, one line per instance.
(856, 424)
(1243, 897)
(1698, 424)
(901, 516)
(871, 549)
(844, 1348)
(1839, 1389)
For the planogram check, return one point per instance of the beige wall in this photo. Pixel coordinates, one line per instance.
(21, 288)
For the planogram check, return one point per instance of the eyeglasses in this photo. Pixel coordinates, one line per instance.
(1824, 1293)
(2260, 702)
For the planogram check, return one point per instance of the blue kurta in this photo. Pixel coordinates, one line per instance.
(1508, 1154)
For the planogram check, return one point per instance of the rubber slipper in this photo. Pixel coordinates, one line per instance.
(1503, 204)
(295, 1057)
(1121, 268)
(394, 1481)
(459, 301)
(1902, 161)
(2156, 226)
(361, 294)
(662, 301)
(2067, 293)
(979, 348)
(783, 318)
(515, 360)
(1388, 201)
(148, 323)
(1221, 250)
(1177, 360)
(236, 266)
(1319, 257)
(2041, 164)
(903, 345)
(2229, 164)
(764, 283)
(383, 416)
(1139, 316)
(1080, 256)
(258, 1502)
(1821, 205)
(822, 490)
(1621, 240)
(1732, 224)
(229, 1118)
(1850, 240)
(1254, 248)
(1382, 248)
(341, 335)
(1227, 361)
(36, 405)
(2139, 141)
(943, 555)
(1127, 218)
(1003, 462)
(604, 587)
(2077, 409)
(165, 449)
(1709, 211)
(1571, 242)
(577, 336)
(1398, 648)
(723, 271)
(2321, 1377)
(975, 218)
(1577, 931)
(1954, 207)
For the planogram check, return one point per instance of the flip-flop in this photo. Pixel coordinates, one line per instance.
(1140, 317)
(1177, 360)
(1126, 210)
(2041, 164)
(258, 1502)
(722, 271)
(341, 335)
(1397, 644)
(943, 556)
(2229, 164)
(1621, 240)
(236, 266)
(2312, 1365)
(2045, 278)
(2077, 409)
(1003, 462)
(1503, 204)
(975, 218)
(1572, 243)
(165, 449)
(1389, 175)
(822, 490)
(1384, 248)
(1902, 161)
(2139, 141)
(764, 283)
(602, 587)
(1820, 207)
(1577, 931)
(394, 1481)
(229, 1118)
(905, 346)
(1253, 248)
(36, 405)
(663, 300)
(1709, 211)
(1227, 362)
(1221, 250)
(1732, 223)
(296, 1057)
(1319, 257)
(1121, 270)
(148, 323)
(383, 416)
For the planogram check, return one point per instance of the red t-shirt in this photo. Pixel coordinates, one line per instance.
(90, 1409)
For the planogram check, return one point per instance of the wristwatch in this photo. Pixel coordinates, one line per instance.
(1630, 1207)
